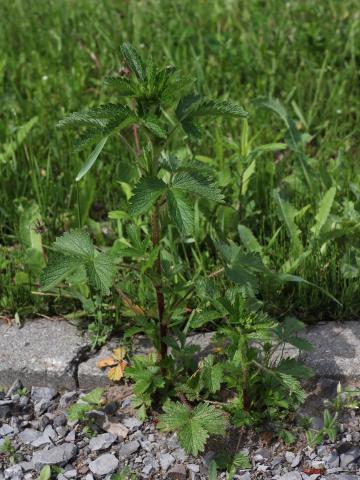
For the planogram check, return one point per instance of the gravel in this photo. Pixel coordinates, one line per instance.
(46, 437)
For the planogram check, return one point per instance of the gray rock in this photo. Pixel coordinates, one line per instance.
(27, 466)
(180, 455)
(132, 423)
(41, 407)
(6, 406)
(147, 469)
(68, 398)
(101, 442)
(89, 477)
(349, 457)
(291, 476)
(14, 472)
(245, 476)
(177, 472)
(332, 460)
(6, 430)
(296, 462)
(70, 473)
(98, 418)
(70, 437)
(60, 420)
(104, 464)
(289, 457)
(166, 460)
(193, 467)
(54, 456)
(42, 393)
(264, 452)
(48, 436)
(17, 385)
(128, 449)
(29, 435)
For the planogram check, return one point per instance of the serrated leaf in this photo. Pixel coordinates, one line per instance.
(197, 184)
(323, 211)
(76, 243)
(193, 437)
(133, 60)
(211, 418)
(195, 106)
(193, 426)
(101, 272)
(211, 374)
(154, 127)
(300, 343)
(147, 191)
(91, 159)
(58, 269)
(180, 211)
(124, 86)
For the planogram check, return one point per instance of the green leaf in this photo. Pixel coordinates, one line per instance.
(249, 240)
(124, 86)
(323, 211)
(101, 272)
(197, 184)
(193, 426)
(193, 437)
(30, 218)
(45, 473)
(212, 471)
(91, 159)
(300, 343)
(211, 374)
(287, 213)
(133, 60)
(180, 211)
(154, 127)
(193, 106)
(76, 243)
(58, 269)
(9, 148)
(94, 397)
(146, 193)
(248, 173)
(211, 418)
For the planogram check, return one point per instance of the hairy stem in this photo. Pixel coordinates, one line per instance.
(163, 330)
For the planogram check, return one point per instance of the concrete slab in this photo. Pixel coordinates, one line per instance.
(42, 352)
(336, 351)
(54, 352)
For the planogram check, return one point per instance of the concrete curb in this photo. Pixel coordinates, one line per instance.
(54, 352)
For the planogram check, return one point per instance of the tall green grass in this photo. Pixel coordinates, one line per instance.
(55, 53)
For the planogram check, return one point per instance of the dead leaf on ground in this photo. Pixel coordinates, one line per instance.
(116, 363)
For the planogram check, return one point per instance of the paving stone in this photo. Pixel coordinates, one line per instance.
(48, 349)
(104, 464)
(336, 351)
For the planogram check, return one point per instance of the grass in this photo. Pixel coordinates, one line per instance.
(55, 54)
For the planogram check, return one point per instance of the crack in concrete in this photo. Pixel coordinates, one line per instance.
(82, 355)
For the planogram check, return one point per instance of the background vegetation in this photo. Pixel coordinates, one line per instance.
(54, 56)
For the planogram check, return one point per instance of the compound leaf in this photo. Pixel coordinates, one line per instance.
(146, 193)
